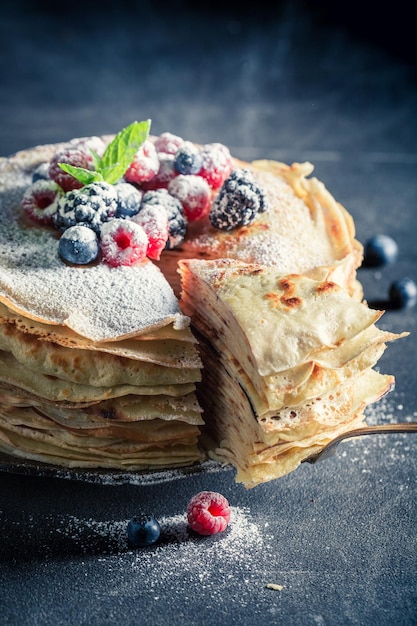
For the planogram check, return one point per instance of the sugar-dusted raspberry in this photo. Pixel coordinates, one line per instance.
(177, 222)
(194, 194)
(208, 513)
(92, 205)
(129, 199)
(40, 201)
(154, 221)
(238, 202)
(123, 242)
(89, 143)
(145, 164)
(164, 175)
(168, 143)
(72, 156)
(217, 163)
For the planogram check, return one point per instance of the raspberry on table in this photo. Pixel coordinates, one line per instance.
(145, 164)
(194, 194)
(154, 221)
(40, 201)
(238, 202)
(208, 513)
(217, 163)
(94, 204)
(123, 242)
(72, 156)
(168, 143)
(177, 221)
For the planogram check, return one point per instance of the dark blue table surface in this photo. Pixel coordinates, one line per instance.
(301, 81)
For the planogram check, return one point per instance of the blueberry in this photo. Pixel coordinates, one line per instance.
(188, 159)
(128, 200)
(403, 293)
(41, 172)
(380, 250)
(79, 245)
(143, 530)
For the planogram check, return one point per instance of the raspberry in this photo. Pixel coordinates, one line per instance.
(194, 194)
(177, 222)
(168, 143)
(92, 205)
(86, 143)
(145, 164)
(208, 513)
(188, 159)
(239, 201)
(78, 245)
(217, 163)
(123, 242)
(154, 221)
(40, 201)
(71, 156)
(164, 175)
(128, 200)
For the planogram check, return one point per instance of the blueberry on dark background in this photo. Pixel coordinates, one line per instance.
(403, 293)
(380, 250)
(143, 530)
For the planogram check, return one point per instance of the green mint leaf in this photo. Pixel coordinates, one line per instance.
(80, 173)
(96, 160)
(113, 173)
(121, 151)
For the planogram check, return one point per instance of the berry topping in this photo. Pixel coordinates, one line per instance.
(79, 245)
(208, 513)
(177, 222)
(188, 159)
(89, 143)
(403, 293)
(143, 530)
(238, 202)
(165, 173)
(154, 221)
(145, 164)
(128, 200)
(92, 205)
(380, 250)
(40, 201)
(41, 172)
(168, 143)
(217, 163)
(72, 156)
(194, 194)
(123, 242)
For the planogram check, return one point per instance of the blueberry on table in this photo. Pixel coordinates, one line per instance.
(380, 250)
(143, 530)
(403, 293)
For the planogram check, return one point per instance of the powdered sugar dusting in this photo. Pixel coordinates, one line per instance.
(98, 302)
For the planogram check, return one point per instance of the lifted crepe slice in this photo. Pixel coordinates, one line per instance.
(287, 362)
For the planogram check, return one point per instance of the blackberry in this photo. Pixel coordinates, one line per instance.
(188, 159)
(128, 200)
(177, 222)
(91, 205)
(238, 202)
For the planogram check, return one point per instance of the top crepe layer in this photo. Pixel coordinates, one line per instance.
(99, 302)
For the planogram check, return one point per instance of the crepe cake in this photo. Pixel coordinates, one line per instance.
(100, 368)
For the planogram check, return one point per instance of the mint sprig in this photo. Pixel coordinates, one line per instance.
(117, 157)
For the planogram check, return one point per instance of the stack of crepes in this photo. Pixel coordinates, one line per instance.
(287, 344)
(97, 365)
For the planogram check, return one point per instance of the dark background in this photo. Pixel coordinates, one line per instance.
(333, 83)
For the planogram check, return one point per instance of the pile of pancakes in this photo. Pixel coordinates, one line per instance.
(100, 368)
